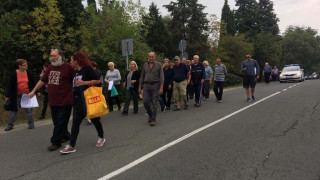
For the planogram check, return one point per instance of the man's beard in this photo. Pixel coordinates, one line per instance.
(56, 63)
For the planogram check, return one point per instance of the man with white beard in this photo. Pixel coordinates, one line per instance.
(59, 79)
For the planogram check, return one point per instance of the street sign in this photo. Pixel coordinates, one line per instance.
(127, 47)
(184, 55)
(182, 45)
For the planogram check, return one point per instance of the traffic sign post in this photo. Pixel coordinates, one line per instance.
(182, 48)
(127, 49)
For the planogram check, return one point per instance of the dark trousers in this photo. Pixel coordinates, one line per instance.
(197, 88)
(134, 94)
(78, 115)
(206, 89)
(267, 77)
(166, 96)
(151, 91)
(275, 77)
(45, 103)
(189, 92)
(60, 118)
(116, 98)
(218, 89)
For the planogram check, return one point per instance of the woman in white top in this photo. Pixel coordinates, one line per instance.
(113, 75)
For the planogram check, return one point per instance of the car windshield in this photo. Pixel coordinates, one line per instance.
(291, 68)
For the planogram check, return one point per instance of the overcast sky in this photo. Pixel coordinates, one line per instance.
(289, 12)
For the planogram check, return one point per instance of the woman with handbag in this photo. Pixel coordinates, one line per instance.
(21, 82)
(85, 76)
(131, 84)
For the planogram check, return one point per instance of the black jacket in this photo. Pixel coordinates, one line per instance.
(13, 88)
(168, 77)
(135, 76)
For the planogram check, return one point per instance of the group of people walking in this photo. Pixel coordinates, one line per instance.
(65, 83)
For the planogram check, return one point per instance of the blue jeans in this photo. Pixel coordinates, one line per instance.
(60, 118)
(13, 114)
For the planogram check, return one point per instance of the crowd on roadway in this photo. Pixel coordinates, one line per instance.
(63, 84)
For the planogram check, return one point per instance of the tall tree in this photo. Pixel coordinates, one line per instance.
(71, 10)
(301, 46)
(189, 22)
(92, 2)
(154, 30)
(268, 19)
(24, 5)
(247, 19)
(228, 17)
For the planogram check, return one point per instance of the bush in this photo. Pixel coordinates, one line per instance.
(232, 80)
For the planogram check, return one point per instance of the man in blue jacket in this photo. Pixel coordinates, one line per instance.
(197, 79)
(251, 71)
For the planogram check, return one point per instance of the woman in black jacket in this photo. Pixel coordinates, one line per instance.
(131, 84)
(21, 82)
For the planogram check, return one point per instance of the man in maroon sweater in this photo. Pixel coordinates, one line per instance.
(59, 80)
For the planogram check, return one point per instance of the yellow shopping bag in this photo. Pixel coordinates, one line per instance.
(95, 102)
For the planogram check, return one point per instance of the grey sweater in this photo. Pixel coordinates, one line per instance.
(113, 76)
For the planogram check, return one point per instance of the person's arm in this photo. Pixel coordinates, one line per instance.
(211, 77)
(258, 69)
(141, 80)
(36, 88)
(203, 74)
(161, 79)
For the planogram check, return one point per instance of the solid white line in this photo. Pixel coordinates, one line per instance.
(157, 151)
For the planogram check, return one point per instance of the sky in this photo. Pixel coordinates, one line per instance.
(289, 12)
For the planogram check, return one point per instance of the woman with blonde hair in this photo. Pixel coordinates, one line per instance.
(131, 84)
(21, 82)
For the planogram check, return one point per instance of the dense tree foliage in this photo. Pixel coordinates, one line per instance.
(30, 28)
(228, 17)
(154, 31)
(301, 46)
(189, 22)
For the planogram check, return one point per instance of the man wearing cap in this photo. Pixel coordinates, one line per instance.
(152, 79)
(197, 79)
(181, 78)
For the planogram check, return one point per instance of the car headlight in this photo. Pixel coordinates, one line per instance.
(281, 75)
(298, 74)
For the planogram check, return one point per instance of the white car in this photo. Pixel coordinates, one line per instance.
(291, 73)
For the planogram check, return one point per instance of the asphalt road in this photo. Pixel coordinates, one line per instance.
(275, 137)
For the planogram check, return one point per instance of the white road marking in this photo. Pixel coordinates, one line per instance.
(157, 151)
(290, 87)
(284, 89)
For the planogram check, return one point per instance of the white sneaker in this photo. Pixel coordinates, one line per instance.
(100, 142)
(68, 149)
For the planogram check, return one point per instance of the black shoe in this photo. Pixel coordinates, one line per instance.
(110, 110)
(167, 108)
(124, 113)
(41, 117)
(8, 128)
(135, 112)
(119, 108)
(186, 107)
(177, 109)
(53, 147)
